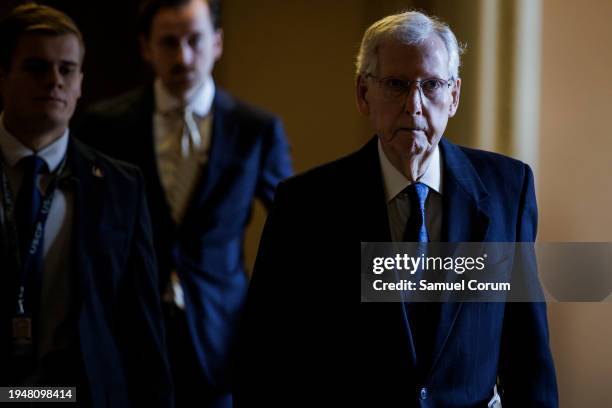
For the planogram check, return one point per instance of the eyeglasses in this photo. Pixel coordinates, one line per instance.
(432, 88)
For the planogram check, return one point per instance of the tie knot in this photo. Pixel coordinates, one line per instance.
(418, 192)
(183, 112)
(416, 228)
(33, 165)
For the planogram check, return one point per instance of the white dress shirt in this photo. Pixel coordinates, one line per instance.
(56, 284)
(398, 203)
(180, 162)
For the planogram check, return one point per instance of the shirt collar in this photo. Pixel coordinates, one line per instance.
(394, 181)
(200, 102)
(13, 150)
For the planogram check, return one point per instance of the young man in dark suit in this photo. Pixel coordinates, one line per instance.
(205, 156)
(79, 299)
(303, 319)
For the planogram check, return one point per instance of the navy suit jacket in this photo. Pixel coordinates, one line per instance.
(115, 310)
(248, 156)
(304, 322)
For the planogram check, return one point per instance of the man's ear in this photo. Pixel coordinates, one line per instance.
(361, 95)
(218, 44)
(455, 93)
(145, 48)
(80, 83)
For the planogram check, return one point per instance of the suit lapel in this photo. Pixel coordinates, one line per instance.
(464, 220)
(465, 198)
(375, 228)
(85, 178)
(222, 141)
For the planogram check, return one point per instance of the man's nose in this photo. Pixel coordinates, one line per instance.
(185, 54)
(54, 77)
(413, 105)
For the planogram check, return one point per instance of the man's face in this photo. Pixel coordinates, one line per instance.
(43, 83)
(182, 46)
(409, 123)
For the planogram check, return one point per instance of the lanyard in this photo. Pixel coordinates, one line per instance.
(28, 265)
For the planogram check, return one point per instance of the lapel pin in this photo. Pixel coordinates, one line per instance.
(97, 172)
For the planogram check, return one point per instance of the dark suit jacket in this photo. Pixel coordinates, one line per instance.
(248, 157)
(115, 313)
(304, 322)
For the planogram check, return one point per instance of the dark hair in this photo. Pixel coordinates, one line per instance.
(33, 18)
(149, 8)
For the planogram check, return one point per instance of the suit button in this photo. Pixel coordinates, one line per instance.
(424, 393)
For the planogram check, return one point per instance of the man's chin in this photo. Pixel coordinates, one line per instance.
(49, 120)
(416, 146)
(182, 88)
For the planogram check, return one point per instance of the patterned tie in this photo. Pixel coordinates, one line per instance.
(422, 317)
(181, 167)
(190, 139)
(416, 227)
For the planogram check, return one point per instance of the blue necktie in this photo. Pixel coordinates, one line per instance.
(423, 317)
(416, 227)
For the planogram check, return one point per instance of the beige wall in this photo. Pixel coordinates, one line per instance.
(295, 58)
(574, 191)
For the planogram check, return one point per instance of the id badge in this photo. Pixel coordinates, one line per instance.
(22, 336)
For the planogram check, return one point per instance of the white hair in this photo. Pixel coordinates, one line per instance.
(410, 27)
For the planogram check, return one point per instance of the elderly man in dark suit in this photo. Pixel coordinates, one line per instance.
(206, 156)
(79, 299)
(303, 321)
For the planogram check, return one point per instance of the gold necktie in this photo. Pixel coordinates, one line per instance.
(183, 167)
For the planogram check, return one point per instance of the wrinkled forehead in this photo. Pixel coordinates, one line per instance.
(426, 58)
